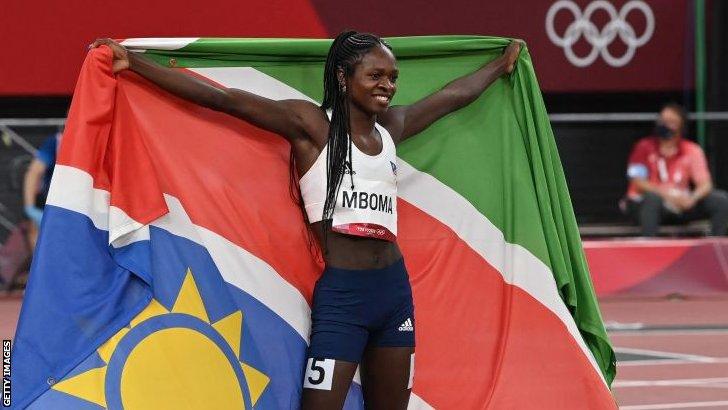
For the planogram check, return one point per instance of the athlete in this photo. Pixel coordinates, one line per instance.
(344, 151)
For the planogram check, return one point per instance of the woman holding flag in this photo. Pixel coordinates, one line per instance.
(344, 153)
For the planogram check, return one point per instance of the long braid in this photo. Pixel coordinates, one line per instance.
(347, 50)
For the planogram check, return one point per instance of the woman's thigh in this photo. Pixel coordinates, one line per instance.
(325, 388)
(386, 376)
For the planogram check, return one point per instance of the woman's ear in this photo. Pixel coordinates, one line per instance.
(341, 77)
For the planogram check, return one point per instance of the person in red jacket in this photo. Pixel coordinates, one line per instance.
(669, 177)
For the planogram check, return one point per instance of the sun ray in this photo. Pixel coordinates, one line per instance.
(147, 377)
(230, 327)
(189, 300)
(153, 309)
(107, 349)
(257, 382)
(88, 386)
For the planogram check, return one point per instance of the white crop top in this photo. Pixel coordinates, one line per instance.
(370, 209)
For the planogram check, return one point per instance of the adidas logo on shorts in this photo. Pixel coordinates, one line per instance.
(406, 326)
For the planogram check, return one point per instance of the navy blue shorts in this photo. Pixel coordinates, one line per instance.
(356, 309)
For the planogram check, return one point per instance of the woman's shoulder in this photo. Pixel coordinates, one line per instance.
(306, 109)
(313, 118)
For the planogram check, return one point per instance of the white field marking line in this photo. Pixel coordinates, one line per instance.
(714, 386)
(517, 265)
(716, 360)
(711, 386)
(652, 243)
(630, 116)
(664, 332)
(683, 356)
(687, 405)
(669, 382)
(614, 325)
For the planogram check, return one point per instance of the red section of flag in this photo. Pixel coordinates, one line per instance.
(89, 123)
(119, 162)
(161, 144)
(482, 343)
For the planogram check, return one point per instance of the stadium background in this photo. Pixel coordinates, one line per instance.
(44, 45)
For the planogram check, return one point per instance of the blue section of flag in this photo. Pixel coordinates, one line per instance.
(82, 291)
(77, 297)
(58, 400)
(92, 362)
(268, 344)
(355, 398)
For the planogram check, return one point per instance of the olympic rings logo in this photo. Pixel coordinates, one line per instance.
(600, 40)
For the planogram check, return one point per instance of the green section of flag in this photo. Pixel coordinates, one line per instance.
(499, 152)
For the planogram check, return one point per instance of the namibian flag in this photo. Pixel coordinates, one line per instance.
(173, 268)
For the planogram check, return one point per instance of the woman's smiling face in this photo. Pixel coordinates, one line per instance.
(374, 81)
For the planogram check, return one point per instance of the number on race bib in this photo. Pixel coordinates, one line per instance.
(320, 370)
(319, 374)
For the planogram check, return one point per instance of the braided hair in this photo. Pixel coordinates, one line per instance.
(346, 51)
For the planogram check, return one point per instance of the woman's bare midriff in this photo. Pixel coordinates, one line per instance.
(356, 252)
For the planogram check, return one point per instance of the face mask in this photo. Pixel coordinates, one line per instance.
(663, 132)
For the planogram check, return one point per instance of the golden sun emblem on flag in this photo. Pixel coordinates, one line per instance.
(172, 359)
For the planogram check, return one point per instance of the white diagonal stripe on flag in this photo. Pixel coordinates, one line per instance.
(447, 206)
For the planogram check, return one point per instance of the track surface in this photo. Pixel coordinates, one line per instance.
(673, 353)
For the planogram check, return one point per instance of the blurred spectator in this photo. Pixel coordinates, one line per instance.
(669, 178)
(36, 183)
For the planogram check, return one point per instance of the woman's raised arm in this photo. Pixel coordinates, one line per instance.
(407, 120)
(285, 117)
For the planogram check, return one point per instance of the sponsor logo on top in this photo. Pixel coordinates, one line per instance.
(600, 39)
(347, 168)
